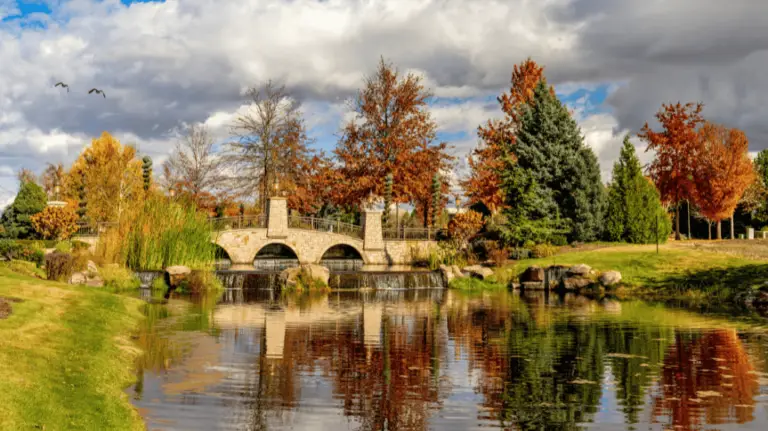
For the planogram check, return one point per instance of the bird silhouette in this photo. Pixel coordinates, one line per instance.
(96, 90)
(62, 85)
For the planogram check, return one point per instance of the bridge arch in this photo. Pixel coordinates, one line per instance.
(275, 255)
(342, 257)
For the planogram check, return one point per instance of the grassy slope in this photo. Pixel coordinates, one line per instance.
(66, 357)
(676, 269)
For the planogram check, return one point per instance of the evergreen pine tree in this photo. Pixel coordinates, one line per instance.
(634, 205)
(146, 168)
(551, 178)
(30, 200)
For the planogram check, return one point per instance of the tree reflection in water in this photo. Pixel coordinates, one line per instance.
(537, 362)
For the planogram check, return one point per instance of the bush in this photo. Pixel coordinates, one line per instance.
(119, 278)
(544, 250)
(59, 266)
(55, 222)
(80, 245)
(520, 253)
(64, 247)
(305, 281)
(202, 281)
(559, 240)
(464, 226)
(25, 268)
(498, 255)
(9, 248)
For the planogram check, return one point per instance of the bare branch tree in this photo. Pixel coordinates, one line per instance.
(194, 166)
(270, 145)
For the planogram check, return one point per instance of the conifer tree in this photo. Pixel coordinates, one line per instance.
(146, 168)
(551, 178)
(16, 219)
(634, 205)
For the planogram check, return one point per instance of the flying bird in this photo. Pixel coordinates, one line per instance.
(97, 91)
(63, 85)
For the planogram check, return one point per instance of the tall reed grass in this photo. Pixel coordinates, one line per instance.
(168, 233)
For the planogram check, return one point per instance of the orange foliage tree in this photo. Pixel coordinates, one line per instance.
(676, 153)
(464, 226)
(393, 129)
(723, 172)
(55, 222)
(497, 136)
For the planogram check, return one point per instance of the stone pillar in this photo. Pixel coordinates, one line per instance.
(277, 219)
(750, 233)
(373, 239)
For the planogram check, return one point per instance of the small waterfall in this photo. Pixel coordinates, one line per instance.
(274, 265)
(342, 265)
(248, 279)
(147, 278)
(387, 280)
(553, 275)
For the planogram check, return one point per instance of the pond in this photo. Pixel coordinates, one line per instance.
(447, 360)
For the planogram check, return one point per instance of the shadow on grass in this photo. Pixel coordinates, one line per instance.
(722, 283)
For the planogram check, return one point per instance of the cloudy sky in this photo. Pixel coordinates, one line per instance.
(163, 63)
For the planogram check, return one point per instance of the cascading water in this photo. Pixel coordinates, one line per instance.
(147, 278)
(387, 280)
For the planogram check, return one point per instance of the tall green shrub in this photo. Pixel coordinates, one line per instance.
(634, 205)
(15, 220)
(169, 233)
(551, 179)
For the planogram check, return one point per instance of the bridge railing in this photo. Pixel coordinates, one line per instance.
(92, 229)
(239, 222)
(413, 233)
(325, 225)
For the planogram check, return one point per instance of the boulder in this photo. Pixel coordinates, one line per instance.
(289, 277)
(447, 273)
(174, 275)
(457, 271)
(610, 278)
(532, 274)
(478, 271)
(576, 283)
(91, 268)
(78, 278)
(579, 270)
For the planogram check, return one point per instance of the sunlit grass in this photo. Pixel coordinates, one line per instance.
(65, 357)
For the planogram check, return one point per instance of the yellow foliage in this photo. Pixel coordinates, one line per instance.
(112, 177)
(55, 223)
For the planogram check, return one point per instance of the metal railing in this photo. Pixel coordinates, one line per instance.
(325, 225)
(239, 222)
(409, 233)
(92, 229)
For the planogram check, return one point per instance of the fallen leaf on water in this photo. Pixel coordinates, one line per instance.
(624, 355)
(708, 394)
(583, 382)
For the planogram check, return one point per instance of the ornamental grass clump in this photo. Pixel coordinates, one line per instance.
(169, 233)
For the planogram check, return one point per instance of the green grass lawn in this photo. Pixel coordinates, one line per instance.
(66, 357)
(678, 270)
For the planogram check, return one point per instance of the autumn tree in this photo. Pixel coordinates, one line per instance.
(271, 145)
(53, 179)
(194, 168)
(755, 199)
(722, 173)
(676, 149)
(392, 134)
(463, 226)
(498, 136)
(111, 178)
(55, 222)
(26, 176)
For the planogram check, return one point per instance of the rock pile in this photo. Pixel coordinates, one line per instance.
(576, 278)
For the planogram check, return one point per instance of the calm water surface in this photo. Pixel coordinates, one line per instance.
(446, 360)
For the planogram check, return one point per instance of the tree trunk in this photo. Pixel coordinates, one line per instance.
(709, 228)
(733, 230)
(677, 221)
(397, 218)
(688, 210)
(719, 230)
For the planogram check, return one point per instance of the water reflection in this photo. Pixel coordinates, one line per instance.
(437, 359)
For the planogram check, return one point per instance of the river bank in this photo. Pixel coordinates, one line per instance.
(66, 356)
(716, 271)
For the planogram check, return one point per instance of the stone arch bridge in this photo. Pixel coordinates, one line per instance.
(310, 238)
